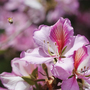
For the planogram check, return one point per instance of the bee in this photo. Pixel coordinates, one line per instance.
(10, 20)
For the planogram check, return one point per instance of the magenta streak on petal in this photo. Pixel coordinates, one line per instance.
(59, 35)
(79, 56)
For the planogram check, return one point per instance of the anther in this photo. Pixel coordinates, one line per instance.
(55, 43)
(47, 42)
(81, 69)
(44, 41)
(84, 67)
(87, 67)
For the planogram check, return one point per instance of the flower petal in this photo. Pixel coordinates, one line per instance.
(41, 38)
(70, 84)
(23, 86)
(37, 56)
(77, 42)
(9, 80)
(61, 33)
(86, 62)
(63, 69)
(22, 68)
(79, 56)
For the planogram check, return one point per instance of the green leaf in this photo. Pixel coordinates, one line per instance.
(28, 80)
(35, 73)
(45, 69)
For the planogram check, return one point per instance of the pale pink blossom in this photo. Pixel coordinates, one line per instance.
(76, 66)
(57, 41)
(21, 69)
(14, 80)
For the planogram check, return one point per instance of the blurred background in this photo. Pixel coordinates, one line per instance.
(19, 19)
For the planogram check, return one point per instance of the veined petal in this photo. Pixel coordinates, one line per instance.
(76, 42)
(48, 36)
(61, 33)
(79, 56)
(86, 62)
(84, 66)
(70, 84)
(37, 56)
(63, 69)
(9, 80)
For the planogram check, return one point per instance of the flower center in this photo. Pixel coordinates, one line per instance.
(52, 50)
(82, 72)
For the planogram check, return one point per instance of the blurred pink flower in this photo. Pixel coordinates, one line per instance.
(68, 7)
(14, 4)
(19, 34)
(32, 8)
(24, 40)
(84, 18)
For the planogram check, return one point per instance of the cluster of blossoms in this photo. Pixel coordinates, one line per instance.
(60, 62)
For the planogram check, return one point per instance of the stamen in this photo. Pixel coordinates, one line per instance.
(47, 42)
(44, 49)
(49, 49)
(44, 41)
(84, 70)
(84, 67)
(49, 52)
(55, 53)
(87, 67)
(55, 43)
(56, 50)
(81, 69)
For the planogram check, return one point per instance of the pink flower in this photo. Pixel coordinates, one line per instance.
(21, 74)
(57, 41)
(14, 80)
(76, 66)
